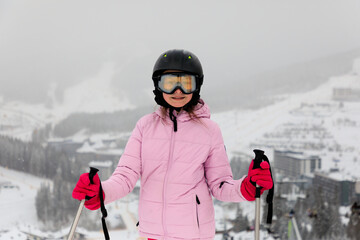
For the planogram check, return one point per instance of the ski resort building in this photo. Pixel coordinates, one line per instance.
(346, 94)
(69, 146)
(102, 153)
(336, 187)
(88, 152)
(295, 165)
(347, 88)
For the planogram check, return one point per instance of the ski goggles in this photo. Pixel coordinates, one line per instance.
(169, 82)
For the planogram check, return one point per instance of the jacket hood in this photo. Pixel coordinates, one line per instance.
(201, 110)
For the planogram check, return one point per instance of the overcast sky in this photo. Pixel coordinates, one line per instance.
(65, 42)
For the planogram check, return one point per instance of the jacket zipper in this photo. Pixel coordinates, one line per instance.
(197, 211)
(166, 179)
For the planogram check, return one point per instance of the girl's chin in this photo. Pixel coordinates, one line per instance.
(177, 104)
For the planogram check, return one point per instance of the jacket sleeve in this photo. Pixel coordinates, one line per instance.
(127, 172)
(218, 172)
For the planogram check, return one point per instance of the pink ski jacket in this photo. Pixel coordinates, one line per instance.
(179, 172)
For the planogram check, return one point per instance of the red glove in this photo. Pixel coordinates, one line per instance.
(84, 189)
(261, 176)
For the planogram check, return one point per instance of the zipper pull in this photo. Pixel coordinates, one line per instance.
(137, 224)
(197, 200)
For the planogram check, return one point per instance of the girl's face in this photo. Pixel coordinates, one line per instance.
(178, 99)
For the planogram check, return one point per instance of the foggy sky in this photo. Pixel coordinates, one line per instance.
(65, 42)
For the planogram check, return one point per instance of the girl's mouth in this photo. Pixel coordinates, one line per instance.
(178, 98)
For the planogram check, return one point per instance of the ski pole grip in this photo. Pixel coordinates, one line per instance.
(259, 154)
(258, 158)
(92, 173)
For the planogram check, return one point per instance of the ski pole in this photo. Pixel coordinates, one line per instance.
(257, 161)
(76, 220)
(92, 173)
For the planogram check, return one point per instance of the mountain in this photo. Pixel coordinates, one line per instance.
(318, 122)
(94, 95)
(259, 90)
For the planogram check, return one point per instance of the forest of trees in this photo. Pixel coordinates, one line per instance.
(30, 157)
(54, 205)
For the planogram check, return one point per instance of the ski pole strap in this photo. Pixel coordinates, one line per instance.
(269, 198)
(104, 214)
(260, 156)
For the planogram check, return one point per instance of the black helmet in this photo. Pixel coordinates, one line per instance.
(182, 60)
(178, 60)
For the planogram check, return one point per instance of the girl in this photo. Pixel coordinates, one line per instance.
(179, 154)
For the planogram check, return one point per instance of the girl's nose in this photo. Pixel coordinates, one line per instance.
(178, 91)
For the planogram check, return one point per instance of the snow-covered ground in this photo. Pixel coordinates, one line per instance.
(17, 198)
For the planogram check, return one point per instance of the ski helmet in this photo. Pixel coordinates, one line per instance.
(181, 60)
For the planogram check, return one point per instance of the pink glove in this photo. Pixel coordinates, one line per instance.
(261, 176)
(84, 189)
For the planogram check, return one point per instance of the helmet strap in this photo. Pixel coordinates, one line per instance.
(159, 99)
(173, 118)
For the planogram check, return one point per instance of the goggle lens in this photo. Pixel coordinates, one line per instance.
(169, 82)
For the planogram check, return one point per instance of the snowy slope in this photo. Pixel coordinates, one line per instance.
(309, 122)
(92, 95)
(19, 119)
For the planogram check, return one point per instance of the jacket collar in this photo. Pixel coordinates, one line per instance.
(201, 110)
